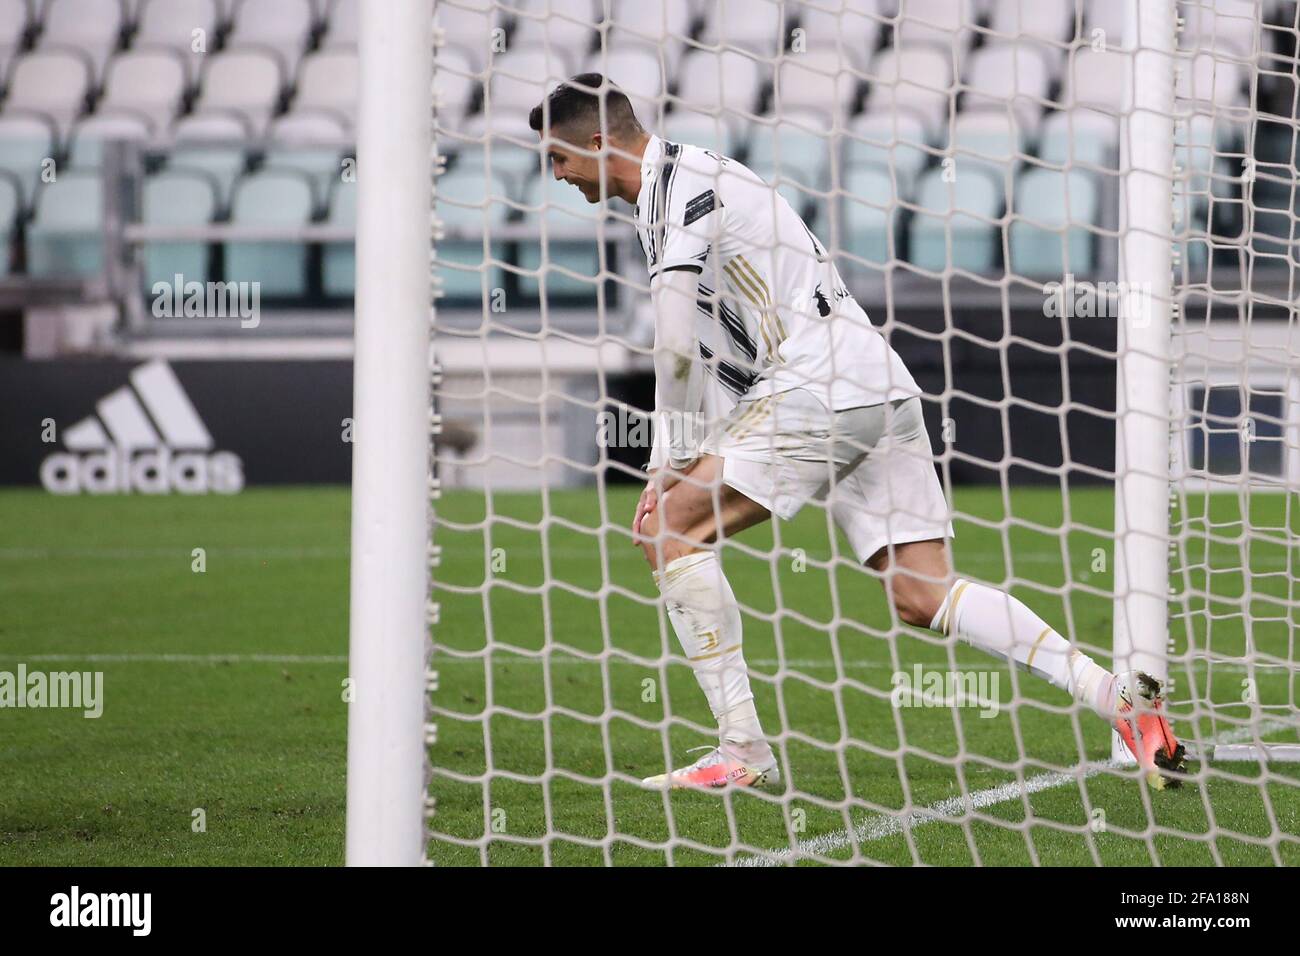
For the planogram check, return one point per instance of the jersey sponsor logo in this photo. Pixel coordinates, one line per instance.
(145, 437)
(823, 306)
(701, 206)
(838, 294)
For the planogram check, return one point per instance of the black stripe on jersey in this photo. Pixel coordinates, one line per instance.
(817, 248)
(660, 197)
(732, 322)
(734, 378)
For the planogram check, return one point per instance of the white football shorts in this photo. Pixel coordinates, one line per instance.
(872, 465)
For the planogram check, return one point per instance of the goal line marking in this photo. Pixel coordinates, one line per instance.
(878, 826)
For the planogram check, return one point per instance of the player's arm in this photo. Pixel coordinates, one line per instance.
(679, 384)
(679, 370)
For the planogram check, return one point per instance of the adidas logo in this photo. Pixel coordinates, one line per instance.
(145, 437)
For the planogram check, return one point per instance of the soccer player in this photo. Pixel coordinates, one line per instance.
(751, 315)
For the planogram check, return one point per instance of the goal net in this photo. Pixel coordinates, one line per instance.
(1076, 224)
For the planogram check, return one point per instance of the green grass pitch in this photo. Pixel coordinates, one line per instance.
(223, 690)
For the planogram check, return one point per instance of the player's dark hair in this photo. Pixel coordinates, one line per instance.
(575, 105)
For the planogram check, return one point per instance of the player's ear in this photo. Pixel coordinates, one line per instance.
(597, 141)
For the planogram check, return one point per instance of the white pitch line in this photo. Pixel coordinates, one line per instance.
(183, 658)
(881, 825)
(559, 661)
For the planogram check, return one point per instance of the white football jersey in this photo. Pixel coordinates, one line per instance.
(774, 313)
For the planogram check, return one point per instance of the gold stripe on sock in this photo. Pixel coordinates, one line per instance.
(950, 614)
(667, 577)
(725, 650)
(1034, 650)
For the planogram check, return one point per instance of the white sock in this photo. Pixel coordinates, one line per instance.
(706, 618)
(1002, 625)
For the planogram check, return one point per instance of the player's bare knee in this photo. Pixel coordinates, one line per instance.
(916, 601)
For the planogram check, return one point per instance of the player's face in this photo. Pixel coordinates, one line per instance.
(577, 167)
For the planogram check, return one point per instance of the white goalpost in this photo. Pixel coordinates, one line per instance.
(388, 687)
(1142, 424)
(539, 344)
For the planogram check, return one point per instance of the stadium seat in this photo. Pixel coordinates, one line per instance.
(175, 198)
(955, 226)
(13, 29)
(805, 198)
(717, 133)
(180, 26)
(521, 77)
(891, 140)
(1048, 235)
(729, 80)
(515, 153)
(1044, 21)
(757, 26)
(150, 84)
(342, 26)
(328, 81)
(53, 83)
(1079, 136)
(1211, 79)
(270, 198)
(916, 81)
(92, 26)
(653, 22)
(457, 84)
(242, 82)
(851, 28)
(567, 25)
(89, 136)
(470, 204)
(11, 203)
(1096, 79)
(311, 144)
(26, 143)
(282, 26)
(556, 208)
(214, 144)
(791, 147)
(65, 238)
(941, 25)
(819, 80)
(1195, 147)
(309, 127)
(1012, 76)
(339, 259)
(1107, 16)
(638, 72)
(870, 214)
(469, 24)
(1225, 26)
(986, 139)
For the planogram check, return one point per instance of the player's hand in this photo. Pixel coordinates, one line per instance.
(648, 502)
